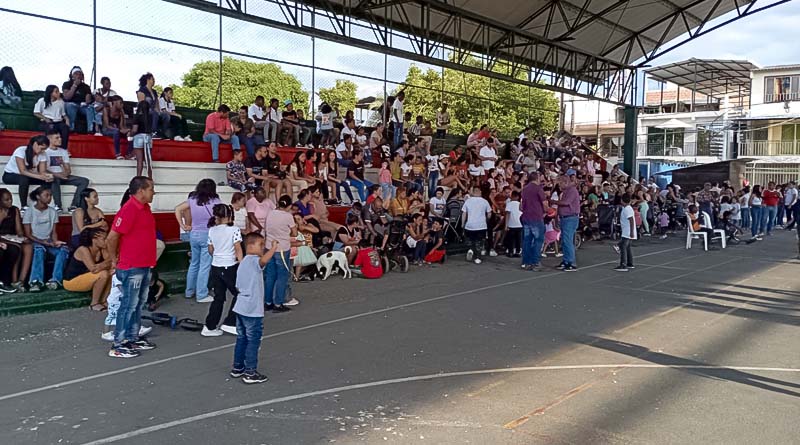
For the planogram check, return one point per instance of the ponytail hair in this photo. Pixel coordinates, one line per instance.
(220, 212)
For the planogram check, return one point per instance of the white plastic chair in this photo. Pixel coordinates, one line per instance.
(691, 234)
(718, 233)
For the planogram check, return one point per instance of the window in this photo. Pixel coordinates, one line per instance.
(781, 88)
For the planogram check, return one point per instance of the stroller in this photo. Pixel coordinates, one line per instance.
(393, 256)
(452, 214)
(608, 221)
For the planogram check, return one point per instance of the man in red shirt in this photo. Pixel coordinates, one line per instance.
(132, 247)
(370, 263)
(771, 198)
(218, 129)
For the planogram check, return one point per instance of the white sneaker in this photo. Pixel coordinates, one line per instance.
(98, 134)
(470, 254)
(544, 255)
(483, 252)
(292, 302)
(187, 138)
(478, 261)
(211, 333)
(229, 329)
(492, 253)
(144, 330)
(208, 299)
(559, 255)
(108, 336)
(178, 138)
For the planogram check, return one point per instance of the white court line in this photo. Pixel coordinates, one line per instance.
(308, 327)
(305, 395)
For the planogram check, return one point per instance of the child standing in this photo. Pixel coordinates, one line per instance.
(224, 245)
(238, 202)
(513, 226)
(385, 180)
(113, 301)
(249, 309)
(551, 235)
(663, 222)
(627, 221)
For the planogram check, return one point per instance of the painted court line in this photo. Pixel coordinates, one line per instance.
(305, 328)
(222, 412)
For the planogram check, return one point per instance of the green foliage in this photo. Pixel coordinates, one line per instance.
(242, 81)
(342, 93)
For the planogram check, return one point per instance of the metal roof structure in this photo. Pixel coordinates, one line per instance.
(587, 48)
(711, 77)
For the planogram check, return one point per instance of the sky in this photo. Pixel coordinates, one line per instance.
(42, 51)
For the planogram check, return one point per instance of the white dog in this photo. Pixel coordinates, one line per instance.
(330, 260)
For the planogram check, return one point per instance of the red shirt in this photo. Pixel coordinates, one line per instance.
(770, 197)
(137, 242)
(370, 263)
(217, 125)
(309, 167)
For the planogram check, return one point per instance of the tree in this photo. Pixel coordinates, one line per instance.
(242, 81)
(342, 93)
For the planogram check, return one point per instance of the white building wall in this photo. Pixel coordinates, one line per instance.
(757, 89)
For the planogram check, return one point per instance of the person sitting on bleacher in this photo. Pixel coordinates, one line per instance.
(291, 124)
(78, 97)
(245, 130)
(102, 100)
(58, 166)
(257, 113)
(218, 129)
(51, 111)
(39, 223)
(237, 174)
(114, 125)
(27, 166)
(176, 126)
(146, 93)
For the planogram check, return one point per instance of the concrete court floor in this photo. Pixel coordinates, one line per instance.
(691, 347)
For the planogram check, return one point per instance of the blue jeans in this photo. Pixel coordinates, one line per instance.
(746, 218)
(770, 212)
(135, 285)
(398, 134)
(249, 145)
(388, 191)
(276, 278)
(569, 224)
(113, 133)
(361, 187)
(199, 266)
(346, 187)
(248, 341)
(433, 178)
(532, 240)
(37, 267)
(215, 140)
(755, 219)
(155, 117)
(87, 110)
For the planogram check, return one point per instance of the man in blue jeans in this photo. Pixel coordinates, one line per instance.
(569, 210)
(532, 203)
(397, 118)
(78, 98)
(219, 129)
(355, 175)
(131, 245)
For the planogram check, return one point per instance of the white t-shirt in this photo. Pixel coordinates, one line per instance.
(514, 214)
(169, 107)
(488, 152)
(56, 158)
(224, 239)
(745, 201)
(361, 140)
(397, 111)
(476, 170)
(11, 165)
(433, 163)
(340, 150)
(789, 196)
(737, 212)
(240, 219)
(625, 223)
(349, 131)
(405, 169)
(255, 110)
(477, 208)
(437, 206)
(274, 116)
(55, 112)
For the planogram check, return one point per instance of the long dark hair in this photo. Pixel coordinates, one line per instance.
(48, 93)
(87, 236)
(84, 205)
(297, 163)
(221, 211)
(757, 190)
(164, 94)
(8, 78)
(205, 191)
(41, 140)
(143, 79)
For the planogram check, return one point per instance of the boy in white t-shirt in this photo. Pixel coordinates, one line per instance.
(58, 165)
(513, 226)
(437, 203)
(476, 211)
(628, 223)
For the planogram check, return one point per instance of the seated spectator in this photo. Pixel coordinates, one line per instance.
(27, 166)
(415, 128)
(142, 139)
(245, 130)
(114, 125)
(320, 211)
(10, 91)
(332, 174)
(303, 255)
(51, 112)
(176, 125)
(274, 121)
(9, 257)
(306, 127)
(355, 175)
(348, 237)
(344, 151)
(218, 129)
(87, 270)
(376, 222)
(258, 208)
(369, 260)
(276, 175)
(39, 223)
(361, 143)
(78, 98)
(374, 192)
(146, 93)
(311, 169)
(437, 203)
(297, 172)
(350, 128)
(58, 165)
(698, 221)
(435, 243)
(258, 113)
(12, 235)
(426, 134)
(102, 100)
(329, 134)
(290, 124)
(417, 239)
(237, 174)
(87, 215)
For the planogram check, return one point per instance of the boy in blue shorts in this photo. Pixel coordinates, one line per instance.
(249, 309)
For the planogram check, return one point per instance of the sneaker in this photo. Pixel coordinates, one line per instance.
(630, 266)
(616, 248)
(525, 266)
(236, 373)
(144, 330)
(187, 138)
(35, 286)
(7, 289)
(122, 352)
(269, 307)
(470, 254)
(535, 268)
(142, 344)
(52, 285)
(492, 253)
(478, 261)
(208, 299)
(663, 236)
(281, 308)
(292, 302)
(18, 286)
(544, 255)
(570, 268)
(98, 134)
(229, 329)
(621, 269)
(107, 336)
(211, 332)
(254, 378)
(72, 209)
(178, 138)
(559, 255)
(483, 252)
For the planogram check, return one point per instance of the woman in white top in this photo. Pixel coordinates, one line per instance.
(756, 223)
(177, 126)
(744, 206)
(27, 166)
(51, 111)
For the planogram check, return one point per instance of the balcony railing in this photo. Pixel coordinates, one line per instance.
(781, 97)
(686, 149)
(769, 148)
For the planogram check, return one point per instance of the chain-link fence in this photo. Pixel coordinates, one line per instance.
(184, 47)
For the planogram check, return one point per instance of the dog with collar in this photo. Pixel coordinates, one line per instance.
(332, 259)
